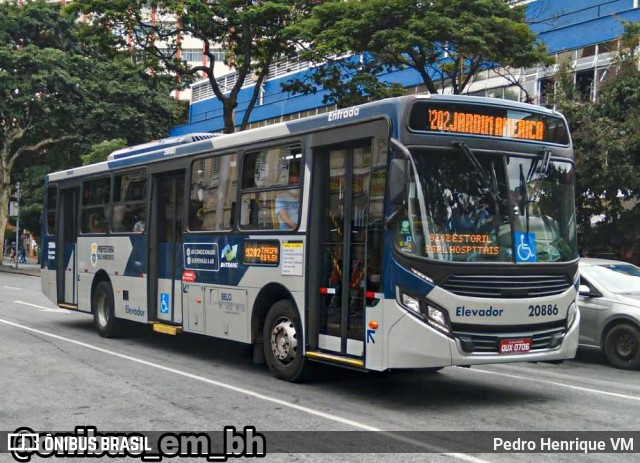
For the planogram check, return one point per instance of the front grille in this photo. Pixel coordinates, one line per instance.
(489, 342)
(507, 286)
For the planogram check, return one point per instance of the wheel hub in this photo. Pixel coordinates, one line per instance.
(284, 342)
(625, 345)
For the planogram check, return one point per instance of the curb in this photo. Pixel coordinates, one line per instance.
(19, 271)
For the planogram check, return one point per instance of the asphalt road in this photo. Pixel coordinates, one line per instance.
(57, 373)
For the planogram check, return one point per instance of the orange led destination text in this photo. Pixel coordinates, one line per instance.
(480, 124)
(459, 243)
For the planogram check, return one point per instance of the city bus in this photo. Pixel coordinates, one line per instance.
(416, 232)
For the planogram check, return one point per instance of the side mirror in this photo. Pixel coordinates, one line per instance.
(584, 290)
(397, 181)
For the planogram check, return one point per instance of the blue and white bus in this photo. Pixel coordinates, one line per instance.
(416, 232)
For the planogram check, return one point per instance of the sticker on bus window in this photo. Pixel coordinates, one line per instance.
(405, 240)
(165, 303)
(525, 247)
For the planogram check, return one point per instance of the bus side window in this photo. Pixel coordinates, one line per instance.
(95, 205)
(271, 180)
(93, 220)
(212, 193)
(129, 202)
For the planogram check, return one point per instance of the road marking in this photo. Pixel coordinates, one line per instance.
(554, 383)
(43, 308)
(311, 411)
(12, 287)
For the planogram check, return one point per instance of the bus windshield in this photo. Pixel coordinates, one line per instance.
(489, 207)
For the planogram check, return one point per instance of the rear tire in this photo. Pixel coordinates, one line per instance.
(622, 346)
(283, 343)
(104, 317)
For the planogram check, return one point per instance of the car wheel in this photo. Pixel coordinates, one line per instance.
(283, 342)
(104, 317)
(622, 346)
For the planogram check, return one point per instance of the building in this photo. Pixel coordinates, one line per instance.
(582, 32)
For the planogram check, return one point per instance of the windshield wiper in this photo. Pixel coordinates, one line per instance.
(524, 195)
(490, 181)
(541, 172)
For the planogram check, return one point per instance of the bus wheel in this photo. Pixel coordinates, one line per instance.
(284, 343)
(104, 316)
(622, 346)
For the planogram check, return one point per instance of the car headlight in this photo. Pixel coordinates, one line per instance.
(571, 314)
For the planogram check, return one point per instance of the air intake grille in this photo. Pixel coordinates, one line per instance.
(506, 286)
(489, 342)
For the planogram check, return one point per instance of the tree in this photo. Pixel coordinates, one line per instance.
(60, 94)
(606, 137)
(448, 42)
(100, 151)
(252, 33)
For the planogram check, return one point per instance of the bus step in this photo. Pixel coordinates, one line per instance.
(167, 329)
(68, 306)
(324, 357)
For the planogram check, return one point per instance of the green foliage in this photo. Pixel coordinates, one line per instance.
(62, 91)
(606, 138)
(347, 83)
(251, 34)
(100, 151)
(448, 42)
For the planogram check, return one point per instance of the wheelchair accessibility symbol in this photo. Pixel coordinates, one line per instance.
(526, 247)
(164, 303)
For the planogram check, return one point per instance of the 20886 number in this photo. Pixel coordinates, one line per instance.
(543, 310)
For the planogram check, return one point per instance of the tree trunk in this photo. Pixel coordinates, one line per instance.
(229, 106)
(5, 194)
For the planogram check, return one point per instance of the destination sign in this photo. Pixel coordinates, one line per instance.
(261, 252)
(490, 121)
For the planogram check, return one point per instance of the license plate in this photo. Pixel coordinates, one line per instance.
(515, 346)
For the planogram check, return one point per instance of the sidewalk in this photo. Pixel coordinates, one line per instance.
(30, 268)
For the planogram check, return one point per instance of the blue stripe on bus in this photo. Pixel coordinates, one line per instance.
(137, 263)
(396, 275)
(230, 268)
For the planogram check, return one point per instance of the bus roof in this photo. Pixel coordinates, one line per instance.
(198, 143)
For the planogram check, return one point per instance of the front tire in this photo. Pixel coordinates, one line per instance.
(622, 346)
(283, 342)
(104, 317)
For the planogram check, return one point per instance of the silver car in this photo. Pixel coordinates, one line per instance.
(609, 302)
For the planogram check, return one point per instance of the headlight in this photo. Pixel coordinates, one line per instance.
(425, 310)
(410, 303)
(436, 315)
(437, 319)
(571, 314)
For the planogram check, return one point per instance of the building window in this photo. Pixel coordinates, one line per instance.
(584, 84)
(546, 91)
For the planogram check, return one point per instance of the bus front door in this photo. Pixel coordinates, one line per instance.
(67, 240)
(165, 248)
(346, 262)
